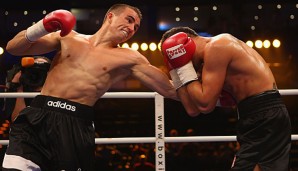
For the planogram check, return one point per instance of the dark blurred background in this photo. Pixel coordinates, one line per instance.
(248, 20)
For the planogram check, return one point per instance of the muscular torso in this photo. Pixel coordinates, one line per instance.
(82, 72)
(247, 73)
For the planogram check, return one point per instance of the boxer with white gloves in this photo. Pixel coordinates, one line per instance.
(232, 74)
(56, 132)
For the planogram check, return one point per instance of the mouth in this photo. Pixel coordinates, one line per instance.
(125, 33)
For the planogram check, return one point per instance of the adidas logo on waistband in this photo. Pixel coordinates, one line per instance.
(61, 105)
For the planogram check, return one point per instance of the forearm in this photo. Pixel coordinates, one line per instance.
(164, 86)
(19, 44)
(167, 90)
(187, 102)
(204, 101)
(156, 80)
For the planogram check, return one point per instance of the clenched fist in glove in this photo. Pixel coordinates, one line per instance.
(178, 51)
(57, 20)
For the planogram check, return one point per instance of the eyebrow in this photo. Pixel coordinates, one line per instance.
(134, 20)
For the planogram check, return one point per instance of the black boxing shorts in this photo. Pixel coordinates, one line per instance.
(264, 133)
(52, 134)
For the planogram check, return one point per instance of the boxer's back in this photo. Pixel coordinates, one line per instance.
(247, 73)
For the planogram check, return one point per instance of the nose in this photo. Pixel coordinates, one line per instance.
(131, 29)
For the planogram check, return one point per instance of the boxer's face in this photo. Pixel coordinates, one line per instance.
(126, 24)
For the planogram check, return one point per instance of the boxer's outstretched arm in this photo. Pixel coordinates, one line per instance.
(152, 77)
(156, 80)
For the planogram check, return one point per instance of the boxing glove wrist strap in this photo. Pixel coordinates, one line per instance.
(175, 78)
(36, 31)
(187, 73)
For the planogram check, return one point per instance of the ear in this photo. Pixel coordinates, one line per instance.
(110, 16)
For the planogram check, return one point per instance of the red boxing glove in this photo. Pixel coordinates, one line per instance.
(57, 20)
(178, 51)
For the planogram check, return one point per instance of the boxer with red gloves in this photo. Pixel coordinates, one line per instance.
(232, 74)
(178, 51)
(57, 20)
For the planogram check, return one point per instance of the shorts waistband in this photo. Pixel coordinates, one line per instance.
(63, 106)
(262, 101)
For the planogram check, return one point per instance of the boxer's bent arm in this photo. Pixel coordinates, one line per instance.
(204, 99)
(19, 45)
(187, 102)
(206, 93)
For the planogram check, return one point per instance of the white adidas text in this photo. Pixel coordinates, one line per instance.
(61, 105)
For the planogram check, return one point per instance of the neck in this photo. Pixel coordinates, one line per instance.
(201, 43)
(102, 37)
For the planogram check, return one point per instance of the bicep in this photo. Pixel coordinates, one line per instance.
(47, 43)
(143, 70)
(213, 77)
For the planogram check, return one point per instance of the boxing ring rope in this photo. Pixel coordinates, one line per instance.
(136, 140)
(285, 92)
(159, 138)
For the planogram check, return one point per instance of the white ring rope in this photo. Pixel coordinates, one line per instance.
(136, 140)
(285, 92)
(106, 95)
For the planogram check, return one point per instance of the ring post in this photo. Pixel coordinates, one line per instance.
(159, 133)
